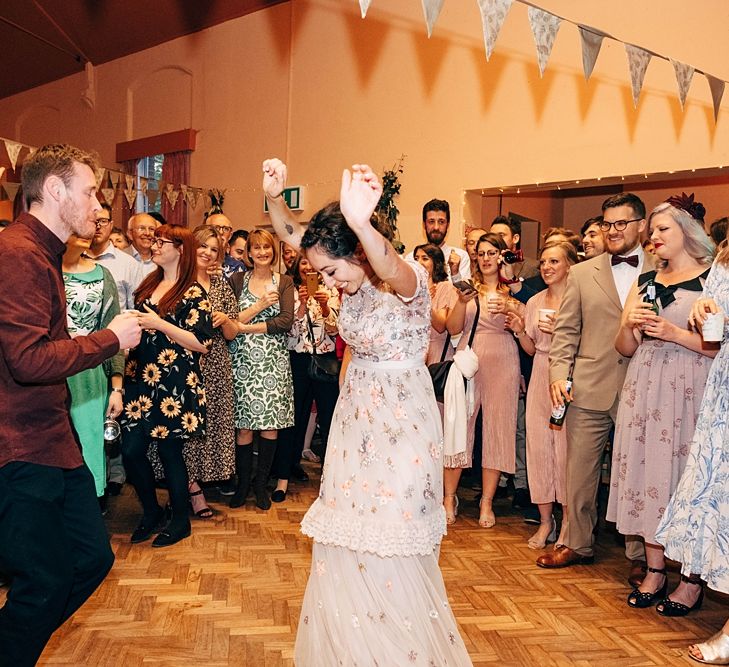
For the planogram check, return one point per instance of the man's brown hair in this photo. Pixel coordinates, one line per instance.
(52, 160)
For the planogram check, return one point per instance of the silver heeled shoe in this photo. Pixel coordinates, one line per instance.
(715, 651)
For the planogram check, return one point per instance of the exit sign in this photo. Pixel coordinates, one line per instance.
(293, 196)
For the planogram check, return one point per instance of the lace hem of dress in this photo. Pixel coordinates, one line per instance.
(459, 460)
(412, 538)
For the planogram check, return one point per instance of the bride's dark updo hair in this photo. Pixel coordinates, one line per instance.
(329, 230)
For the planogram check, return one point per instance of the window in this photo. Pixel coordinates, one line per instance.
(150, 168)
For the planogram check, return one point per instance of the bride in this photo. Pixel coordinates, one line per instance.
(375, 594)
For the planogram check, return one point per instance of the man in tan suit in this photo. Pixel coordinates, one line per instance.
(584, 341)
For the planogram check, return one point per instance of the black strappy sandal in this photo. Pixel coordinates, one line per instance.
(668, 607)
(640, 600)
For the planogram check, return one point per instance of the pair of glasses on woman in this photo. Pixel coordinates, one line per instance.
(159, 242)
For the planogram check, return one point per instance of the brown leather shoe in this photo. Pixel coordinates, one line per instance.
(563, 556)
(638, 569)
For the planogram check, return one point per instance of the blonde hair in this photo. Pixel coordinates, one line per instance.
(478, 280)
(263, 237)
(696, 241)
(204, 232)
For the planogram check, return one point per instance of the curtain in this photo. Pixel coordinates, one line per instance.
(176, 170)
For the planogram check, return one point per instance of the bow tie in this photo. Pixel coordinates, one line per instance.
(617, 259)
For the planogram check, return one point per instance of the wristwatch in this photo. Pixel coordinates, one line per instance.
(116, 390)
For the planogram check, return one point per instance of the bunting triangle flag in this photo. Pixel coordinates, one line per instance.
(108, 194)
(129, 180)
(684, 74)
(544, 28)
(190, 197)
(13, 149)
(11, 189)
(493, 13)
(130, 194)
(100, 176)
(364, 5)
(638, 60)
(591, 43)
(717, 92)
(431, 9)
(115, 176)
(172, 196)
(2, 171)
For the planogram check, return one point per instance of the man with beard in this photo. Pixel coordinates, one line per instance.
(583, 345)
(126, 271)
(592, 241)
(53, 542)
(436, 220)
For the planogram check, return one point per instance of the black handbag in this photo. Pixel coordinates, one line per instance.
(322, 367)
(440, 369)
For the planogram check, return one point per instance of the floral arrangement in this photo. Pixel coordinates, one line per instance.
(387, 210)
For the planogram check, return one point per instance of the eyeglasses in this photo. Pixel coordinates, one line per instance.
(223, 229)
(489, 253)
(619, 225)
(159, 242)
(103, 222)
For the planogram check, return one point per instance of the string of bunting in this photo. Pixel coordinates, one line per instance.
(545, 25)
(112, 182)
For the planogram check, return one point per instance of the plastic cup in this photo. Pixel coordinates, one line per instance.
(713, 329)
(544, 312)
(493, 303)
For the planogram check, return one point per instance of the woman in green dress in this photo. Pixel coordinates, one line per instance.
(264, 395)
(91, 303)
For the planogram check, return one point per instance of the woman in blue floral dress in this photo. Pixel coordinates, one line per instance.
(165, 391)
(375, 594)
(695, 525)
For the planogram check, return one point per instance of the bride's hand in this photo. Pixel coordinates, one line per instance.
(359, 196)
(274, 177)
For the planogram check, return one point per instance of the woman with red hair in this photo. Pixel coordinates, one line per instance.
(165, 392)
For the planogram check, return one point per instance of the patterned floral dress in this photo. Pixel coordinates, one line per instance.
(695, 526)
(264, 392)
(213, 457)
(87, 311)
(165, 395)
(659, 405)
(375, 594)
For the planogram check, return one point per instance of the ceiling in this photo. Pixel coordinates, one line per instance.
(45, 40)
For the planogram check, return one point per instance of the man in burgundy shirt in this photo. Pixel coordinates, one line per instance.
(53, 542)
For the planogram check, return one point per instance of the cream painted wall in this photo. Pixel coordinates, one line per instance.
(313, 82)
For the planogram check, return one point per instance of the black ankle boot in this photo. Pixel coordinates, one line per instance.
(266, 452)
(243, 468)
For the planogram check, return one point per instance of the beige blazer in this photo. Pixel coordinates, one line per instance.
(584, 334)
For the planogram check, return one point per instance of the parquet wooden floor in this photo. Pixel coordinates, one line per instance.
(231, 595)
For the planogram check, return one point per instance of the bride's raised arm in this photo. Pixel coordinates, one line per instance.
(282, 219)
(360, 194)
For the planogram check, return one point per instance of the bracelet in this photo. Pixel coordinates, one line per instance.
(506, 281)
(117, 391)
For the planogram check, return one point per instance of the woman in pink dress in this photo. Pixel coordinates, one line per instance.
(497, 380)
(660, 400)
(443, 297)
(546, 448)
(375, 594)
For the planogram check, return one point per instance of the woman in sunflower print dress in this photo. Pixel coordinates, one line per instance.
(165, 393)
(212, 457)
(264, 394)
